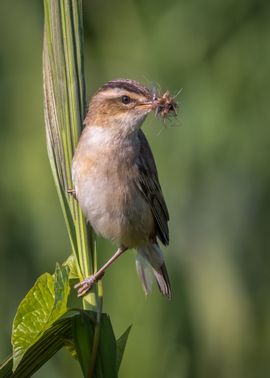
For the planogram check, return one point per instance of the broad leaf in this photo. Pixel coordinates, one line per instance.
(83, 328)
(106, 360)
(41, 307)
(75, 329)
(43, 349)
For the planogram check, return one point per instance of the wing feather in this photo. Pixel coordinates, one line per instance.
(148, 184)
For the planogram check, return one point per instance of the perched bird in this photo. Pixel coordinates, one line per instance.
(116, 181)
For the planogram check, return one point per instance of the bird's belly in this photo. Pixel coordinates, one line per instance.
(116, 210)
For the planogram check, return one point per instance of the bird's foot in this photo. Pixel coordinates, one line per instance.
(84, 286)
(72, 192)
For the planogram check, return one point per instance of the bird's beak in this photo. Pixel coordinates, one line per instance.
(149, 105)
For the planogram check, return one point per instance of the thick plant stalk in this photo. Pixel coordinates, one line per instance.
(64, 94)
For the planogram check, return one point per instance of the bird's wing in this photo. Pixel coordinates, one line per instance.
(148, 183)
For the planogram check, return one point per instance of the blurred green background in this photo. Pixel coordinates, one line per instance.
(213, 164)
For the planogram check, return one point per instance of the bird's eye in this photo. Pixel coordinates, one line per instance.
(125, 100)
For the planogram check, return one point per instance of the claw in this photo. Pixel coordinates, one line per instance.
(84, 286)
(72, 192)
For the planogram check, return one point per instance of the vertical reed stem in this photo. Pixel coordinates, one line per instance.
(64, 93)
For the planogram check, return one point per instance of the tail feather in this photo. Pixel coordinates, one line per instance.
(151, 257)
(144, 272)
(163, 281)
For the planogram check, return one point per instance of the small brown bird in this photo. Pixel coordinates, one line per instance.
(116, 180)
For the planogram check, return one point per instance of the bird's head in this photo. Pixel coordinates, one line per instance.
(121, 104)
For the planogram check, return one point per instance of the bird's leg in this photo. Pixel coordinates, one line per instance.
(85, 285)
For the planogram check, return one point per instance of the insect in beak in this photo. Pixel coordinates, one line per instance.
(165, 106)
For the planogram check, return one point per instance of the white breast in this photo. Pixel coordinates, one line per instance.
(105, 190)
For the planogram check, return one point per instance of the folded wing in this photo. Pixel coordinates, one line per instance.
(148, 183)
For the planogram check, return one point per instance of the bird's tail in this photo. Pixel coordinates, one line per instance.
(151, 256)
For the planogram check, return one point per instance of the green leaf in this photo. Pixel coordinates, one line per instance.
(73, 268)
(106, 359)
(42, 306)
(61, 290)
(74, 329)
(41, 351)
(83, 333)
(120, 347)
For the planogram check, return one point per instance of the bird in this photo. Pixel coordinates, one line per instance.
(116, 181)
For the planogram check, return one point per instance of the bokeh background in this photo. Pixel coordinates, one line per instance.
(214, 168)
